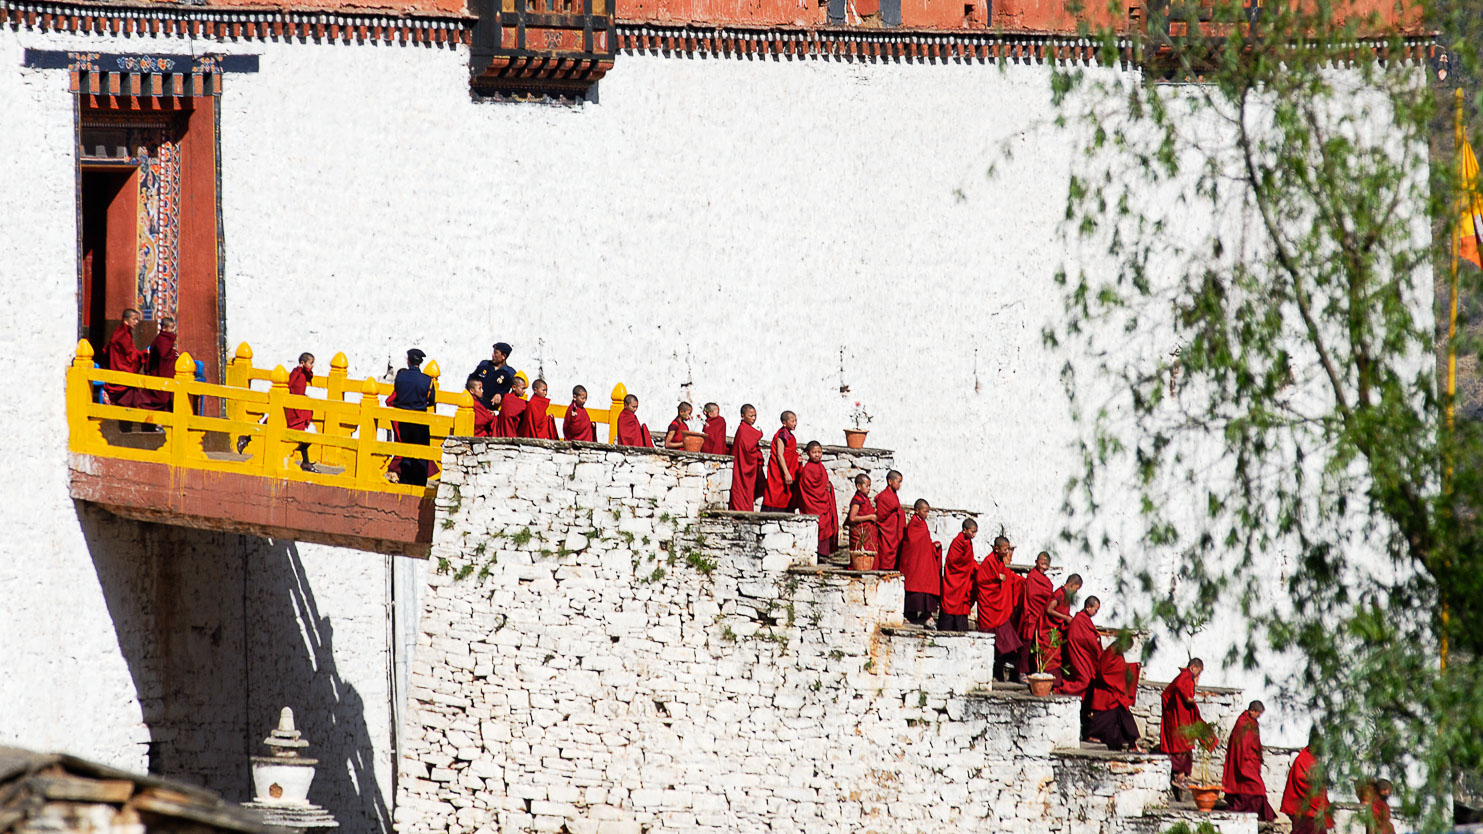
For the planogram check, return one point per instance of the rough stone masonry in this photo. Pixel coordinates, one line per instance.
(602, 651)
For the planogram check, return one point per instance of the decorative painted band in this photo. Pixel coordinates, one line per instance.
(237, 24)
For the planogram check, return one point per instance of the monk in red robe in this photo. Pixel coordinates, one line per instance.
(511, 410)
(1058, 616)
(1305, 797)
(484, 419)
(998, 590)
(1082, 650)
(864, 530)
(1179, 712)
(159, 361)
(1246, 791)
(577, 425)
(1109, 716)
(1376, 796)
(123, 356)
(630, 431)
(301, 419)
(890, 521)
(674, 436)
(715, 431)
(958, 568)
(816, 497)
(782, 466)
(746, 462)
(920, 562)
(1038, 589)
(536, 423)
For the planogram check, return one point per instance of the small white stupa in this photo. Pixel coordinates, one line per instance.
(281, 780)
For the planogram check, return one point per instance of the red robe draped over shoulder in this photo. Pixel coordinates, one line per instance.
(633, 433)
(298, 383)
(1082, 651)
(997, 585)
(919, 558)
(891, 521)
(746, 465)
(1115, 684)
(484, 420)
(957, 577)
(1038, 591)
(676, 425)
(159, 361)
(864, 535)
(1179, 710)
(715, 436)
(1243, 770)
(1379, 817)
(816, 497)
(123, 356)
(511, 411)
(779, 493)
(1305, 794)
(536, 422)
(577, 425)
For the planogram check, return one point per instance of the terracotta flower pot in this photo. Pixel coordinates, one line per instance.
(1041, 683)
(693, 440)
(862, 560)
(855, 438)
(1205, 796)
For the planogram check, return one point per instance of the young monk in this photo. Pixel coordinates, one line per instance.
(890, 521)
(746, 461)
(1110, 708)
(1377, 797)
(862, 519)
(1038, 590)
(124, 356)
(577, 425)
(1057, 621)
(674, 436)
(630, 431)
(160, 361)
(957, 580)
(537, 422)
(782, 464)
(920, 562)
(1246, 790)
(1178, 710)
(299, 419)
(1082, 650)
(484, 419)
(1305, 797)
(816, 497)
(715, 431)
(512, 408)
(998, 591)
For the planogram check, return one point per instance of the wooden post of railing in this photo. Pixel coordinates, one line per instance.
(336, 384)
(275, 451)
(620, 393)
(365, 463)
(239, 375)
(180, 437)
(83, 434)
(463, 421)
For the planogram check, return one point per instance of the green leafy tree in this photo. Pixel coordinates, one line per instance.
(1257, 226)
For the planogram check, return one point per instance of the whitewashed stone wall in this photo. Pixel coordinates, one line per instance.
(601, 653)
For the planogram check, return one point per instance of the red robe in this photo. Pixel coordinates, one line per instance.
(676, 425)
(577, 425)
(957, 577)
(123, 356)
(633, 433)
(1243, 771)
(298, 383)
(160, 362)
(864, 535)
(536, 422)
(715, 436)
(1082, 650)
(1379, 817)
(778, 493)
(816, 497)
(1179, 711)
(1305, 794)
(891, 521)
(1038, 593)
(919, 558)
(511, 411)
(997, 586)
(746, 465)
(484, 420)
(1115, 684)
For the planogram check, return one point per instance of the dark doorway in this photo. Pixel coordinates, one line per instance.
(108, 249)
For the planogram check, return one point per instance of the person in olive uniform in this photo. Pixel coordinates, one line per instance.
(413, 391)
(496, 375)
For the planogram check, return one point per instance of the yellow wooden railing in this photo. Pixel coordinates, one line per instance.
(346, 422)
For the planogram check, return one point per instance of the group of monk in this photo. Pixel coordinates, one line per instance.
(1305, 798)
(158, 359)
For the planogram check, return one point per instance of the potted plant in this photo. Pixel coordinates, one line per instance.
(693, 440)
(1042, 681)
(862, 560)
(860, 418)
(1206, 791)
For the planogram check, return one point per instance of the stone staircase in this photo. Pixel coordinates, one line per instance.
(604, 651)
